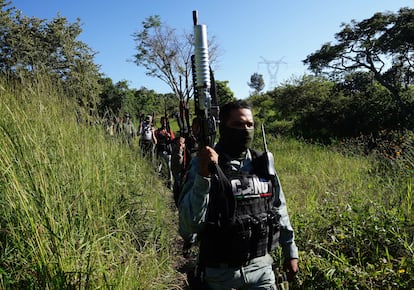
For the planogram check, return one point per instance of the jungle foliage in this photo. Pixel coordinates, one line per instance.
(320, 109)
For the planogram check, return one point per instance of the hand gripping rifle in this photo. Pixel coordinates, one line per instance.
(205, 98)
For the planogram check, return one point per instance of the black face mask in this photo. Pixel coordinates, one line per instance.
(235, 141)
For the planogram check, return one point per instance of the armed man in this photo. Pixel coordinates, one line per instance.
(231, 199)
(128, 130)
(164, 136)
(236, 208)
(148, 140)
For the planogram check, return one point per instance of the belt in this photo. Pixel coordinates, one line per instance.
(225, 265)
(228, 265)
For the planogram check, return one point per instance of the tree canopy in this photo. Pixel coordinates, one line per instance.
(30, 46)
(382, 45)
(166, 55)
(224, 93)
(256, 83)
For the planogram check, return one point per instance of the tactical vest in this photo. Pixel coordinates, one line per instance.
(242, 222)
(163, 141)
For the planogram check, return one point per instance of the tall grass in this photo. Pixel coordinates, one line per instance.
(82, 211)
(354, 224)
(77, 210)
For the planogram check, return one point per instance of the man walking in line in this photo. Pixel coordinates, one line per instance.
(237, 209)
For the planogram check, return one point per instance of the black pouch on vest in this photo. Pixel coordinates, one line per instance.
(273, 219)
(260, 233)
(240, 240)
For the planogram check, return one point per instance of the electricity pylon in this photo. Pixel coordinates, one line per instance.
(272, 69)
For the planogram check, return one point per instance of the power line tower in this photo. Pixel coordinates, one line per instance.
(272, 69)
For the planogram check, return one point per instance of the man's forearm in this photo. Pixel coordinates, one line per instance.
(193, 203)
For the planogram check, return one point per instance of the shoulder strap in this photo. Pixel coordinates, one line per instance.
(222, 200)
(255, 153)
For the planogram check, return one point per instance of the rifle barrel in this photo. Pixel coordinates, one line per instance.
(264, 139)
(202, 85)
(195, 17)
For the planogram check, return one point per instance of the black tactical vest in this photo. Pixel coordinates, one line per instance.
(163, 141)
(242, 222)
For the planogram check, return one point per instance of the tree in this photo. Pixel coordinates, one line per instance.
(30, 46)
(383, 45)
(109, 102)
(224, 93)
(147, 101)
(256, 83)
(166, 55)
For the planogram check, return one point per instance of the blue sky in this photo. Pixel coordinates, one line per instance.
(270, 37)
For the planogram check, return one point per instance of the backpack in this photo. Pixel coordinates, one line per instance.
(146, 134)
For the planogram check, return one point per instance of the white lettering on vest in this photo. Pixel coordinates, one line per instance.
(236, 186)
(255, 187)
(260, 186)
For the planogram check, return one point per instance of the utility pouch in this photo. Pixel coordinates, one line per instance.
(259, 165)
(260, 232)
(273, 220)
(241, 239)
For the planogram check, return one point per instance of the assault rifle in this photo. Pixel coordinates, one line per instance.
(167, 121)
(183, 121)
(183, 115)
(207, 111)
(205, 97)
(153, 119)
(140, 117)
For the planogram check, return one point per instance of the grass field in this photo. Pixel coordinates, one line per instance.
(81, 210)
(353, 221)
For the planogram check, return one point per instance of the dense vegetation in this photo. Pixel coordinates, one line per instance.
(30, 46)
(353, 220)
(79, 211)
(82, 210)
